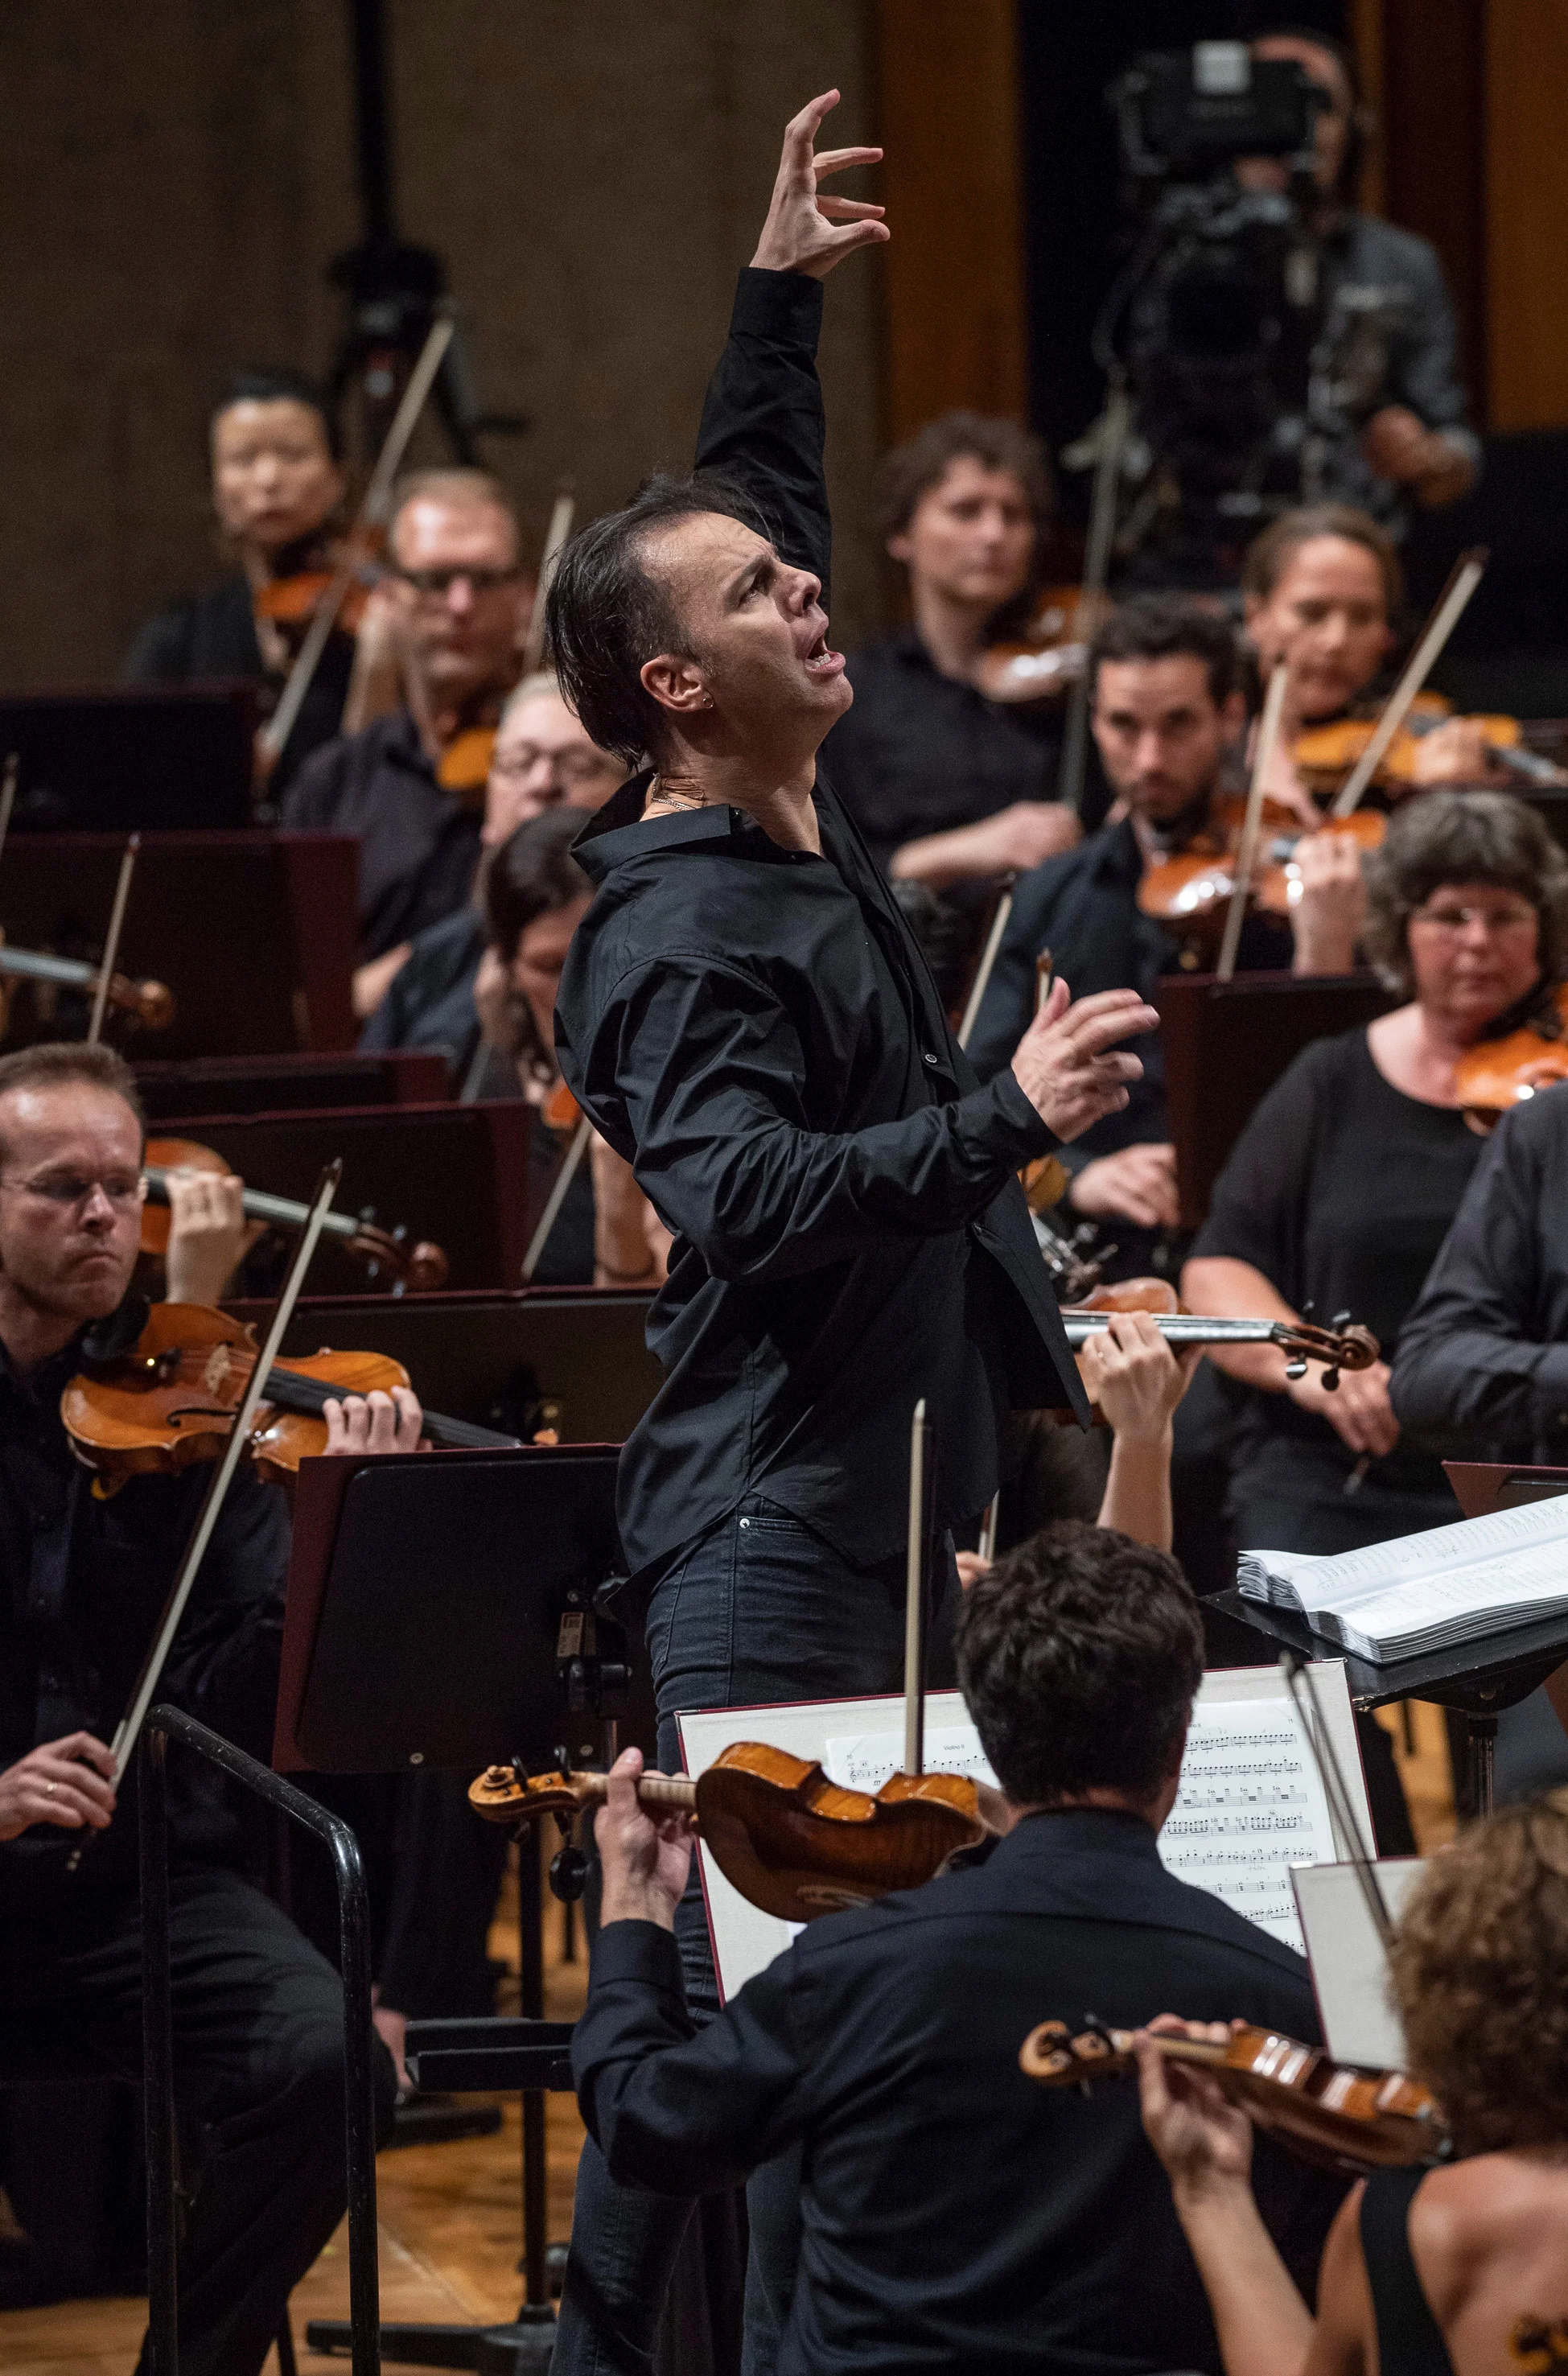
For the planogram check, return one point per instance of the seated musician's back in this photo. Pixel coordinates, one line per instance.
(954, 2215)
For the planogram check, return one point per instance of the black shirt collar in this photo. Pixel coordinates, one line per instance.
(1083, 1831)
(619, 831)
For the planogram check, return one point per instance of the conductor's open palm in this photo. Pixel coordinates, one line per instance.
(806, 232)
(1069, 1064)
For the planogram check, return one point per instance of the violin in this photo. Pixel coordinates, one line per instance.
(150, 1003)
(463, 767)
(1046, 660)
(1189, 890)
(1341, 2118)
(1497, 1073)
(292, 603)
(790, 1840)
(1346, 1345)
(172, 1400)
(422, 1266)
(1325, 755)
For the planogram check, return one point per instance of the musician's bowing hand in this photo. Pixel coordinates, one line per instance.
(1205, 2142)
(802, 231)
(647, 1857)
(1329, 917)
(1068, 1065)
(64, 1782)
(1136, 1184)
(375, 1422)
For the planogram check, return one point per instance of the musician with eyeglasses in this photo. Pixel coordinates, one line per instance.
(441, 642)
(258, 2012)
(1341, 1189)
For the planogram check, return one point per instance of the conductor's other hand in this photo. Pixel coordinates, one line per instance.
(64, 1782)
(375, 1422)
(1068, 1062)
(645, 1859)
(806, 232)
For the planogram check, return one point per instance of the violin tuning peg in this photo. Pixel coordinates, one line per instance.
(1341, 1320)
(1308, 1309)
(1331, 1382)
(568, 1874)
(519, 1771)
(1296, 1369)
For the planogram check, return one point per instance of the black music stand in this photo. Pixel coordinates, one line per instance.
(441, 1614)
(156, 758)
(1478, 1680)
(1226, 1043)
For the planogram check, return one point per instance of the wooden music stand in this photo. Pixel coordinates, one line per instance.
(457, 1175)
(572, 1358)
(253, 932)
(283, 1083)
(441, 1614)
(1226, 1043)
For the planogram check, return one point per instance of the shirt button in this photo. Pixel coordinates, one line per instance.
(930, 1058)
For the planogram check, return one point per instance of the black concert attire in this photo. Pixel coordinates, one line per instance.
(202, 637)
(431, 1001)
(419, 845)
(922, 752)
(1480, 1372)
(1340, 1191)
(883, 2049)
(258, 2014)
(849, 1232)
(1409, 2340)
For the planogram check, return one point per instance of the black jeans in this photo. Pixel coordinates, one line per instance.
(258, 2078)
(759, 1610)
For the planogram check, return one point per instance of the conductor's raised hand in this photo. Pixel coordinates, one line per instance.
(647, 1857)
(1069, 1062)
(804, 231)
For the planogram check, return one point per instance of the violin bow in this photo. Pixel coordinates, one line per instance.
(111, 942)
(556, 1197)
(123, 1746)
(422, 379)
(987, 965)
(1246, 854)
(9, 794)
(1463, 579)
(922, 1474)
(1114, 430)
(1326, 1757)
(560, 529)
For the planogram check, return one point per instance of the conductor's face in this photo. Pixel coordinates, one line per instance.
(1161, 732)
(70, 1200)
(754, 674)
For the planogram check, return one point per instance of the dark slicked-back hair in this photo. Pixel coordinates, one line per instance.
(531, 876)
(276, 384)
(608, 613)
(1079, 1656)
(1170, 626)
(61, 1063)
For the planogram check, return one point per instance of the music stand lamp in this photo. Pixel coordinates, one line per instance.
(441, 1614)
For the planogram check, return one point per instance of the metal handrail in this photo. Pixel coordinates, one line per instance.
(165, 1724)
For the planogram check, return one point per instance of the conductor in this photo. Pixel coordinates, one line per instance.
(745, 1017)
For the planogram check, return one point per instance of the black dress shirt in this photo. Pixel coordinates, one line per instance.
(920, 754)
(956, 2216)
(84, 1582)
(213, 635)
(755, 1030)
(1481, 1369)
(419, 846)
(430, 1004)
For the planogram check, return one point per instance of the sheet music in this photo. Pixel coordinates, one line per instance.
(1251, 1805)
(1245, 1760)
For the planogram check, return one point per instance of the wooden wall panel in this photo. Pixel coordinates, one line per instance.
(947, 104)
(1526, 213)
(1433, 142)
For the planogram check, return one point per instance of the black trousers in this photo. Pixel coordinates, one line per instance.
(258, 2079)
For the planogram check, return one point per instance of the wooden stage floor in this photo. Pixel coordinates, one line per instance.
(450, 2216)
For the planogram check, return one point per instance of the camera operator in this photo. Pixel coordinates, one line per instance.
(1414, 440)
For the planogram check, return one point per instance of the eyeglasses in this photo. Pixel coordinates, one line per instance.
(434, 585)
(68, 1189)
(1516, 918)
(566, 767)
